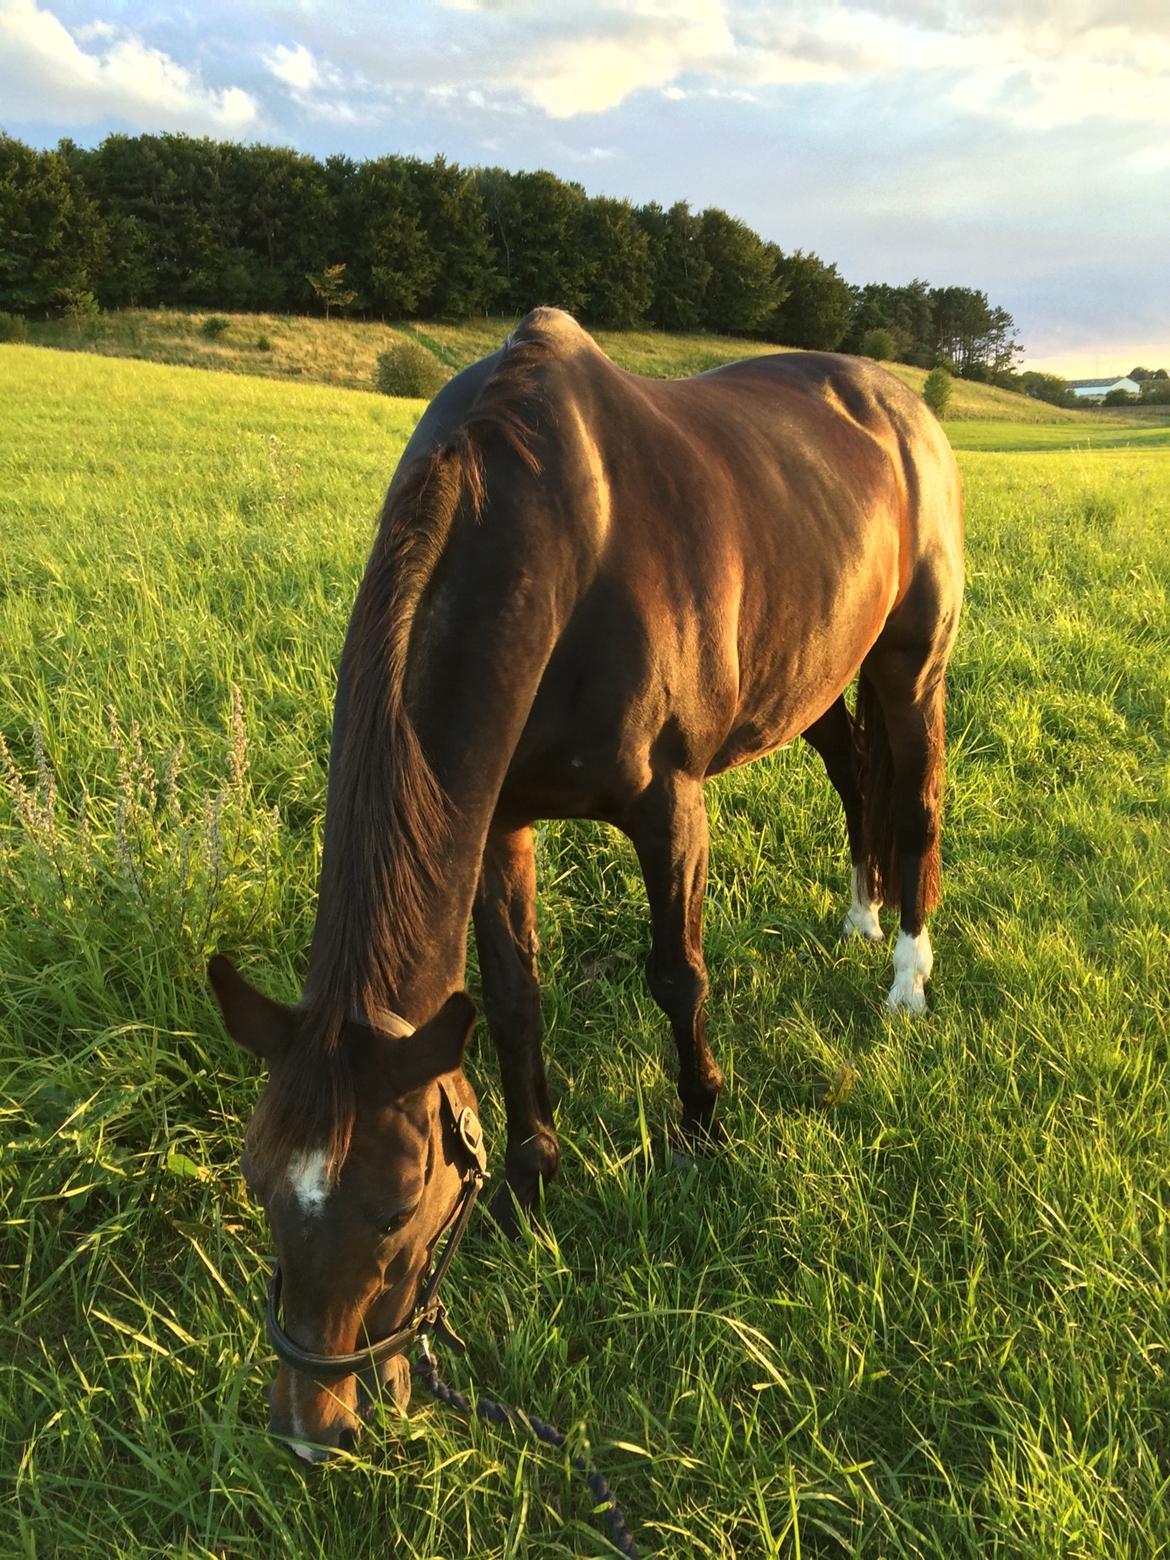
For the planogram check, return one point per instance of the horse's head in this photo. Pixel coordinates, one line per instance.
(362, 1155)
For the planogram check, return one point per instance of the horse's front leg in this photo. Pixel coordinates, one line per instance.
(669, 832)
(505, 933)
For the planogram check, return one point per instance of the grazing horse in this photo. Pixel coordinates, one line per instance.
(588, 593)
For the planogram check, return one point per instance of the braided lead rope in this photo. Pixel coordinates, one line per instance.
(427, 1372)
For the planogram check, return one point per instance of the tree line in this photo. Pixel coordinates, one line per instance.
(175, 220)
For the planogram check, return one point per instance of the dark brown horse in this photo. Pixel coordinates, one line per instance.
(588, 593)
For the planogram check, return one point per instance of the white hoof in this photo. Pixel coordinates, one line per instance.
(913, 962)
(861, 919)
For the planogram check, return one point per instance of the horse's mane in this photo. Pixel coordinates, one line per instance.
(385, 825)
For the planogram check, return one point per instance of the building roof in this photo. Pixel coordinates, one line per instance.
(1097, 384)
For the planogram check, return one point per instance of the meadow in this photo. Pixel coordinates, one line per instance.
(921, 1316)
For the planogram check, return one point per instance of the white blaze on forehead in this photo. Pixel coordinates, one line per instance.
(308, 1181)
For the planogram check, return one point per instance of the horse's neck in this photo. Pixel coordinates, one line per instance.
(474, 671)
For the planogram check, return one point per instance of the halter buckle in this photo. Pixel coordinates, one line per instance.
(471, 1135)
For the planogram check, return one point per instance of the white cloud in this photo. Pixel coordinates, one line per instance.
(296, 67)
(95, 32)
(1037, 79)
(1024, 62)
(46, 76)
(621, 49)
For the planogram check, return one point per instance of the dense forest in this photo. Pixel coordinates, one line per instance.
(153, 220)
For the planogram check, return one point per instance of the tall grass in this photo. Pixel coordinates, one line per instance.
(929, 1320)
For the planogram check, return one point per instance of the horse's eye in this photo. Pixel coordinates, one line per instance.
(399, 1221)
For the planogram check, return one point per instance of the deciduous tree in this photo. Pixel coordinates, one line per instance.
(50, 231)
(815, 310)
(617, 253)
(743, 291)
(681, 269)
(331, 288)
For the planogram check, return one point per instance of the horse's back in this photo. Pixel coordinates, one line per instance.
(804, 444)
(727, 549)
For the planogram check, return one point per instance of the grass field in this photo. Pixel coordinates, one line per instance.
(928, 1321)
(344, 352)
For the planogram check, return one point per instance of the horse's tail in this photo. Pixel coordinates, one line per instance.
(881, 799)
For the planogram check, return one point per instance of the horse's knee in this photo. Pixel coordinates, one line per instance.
(678, 986)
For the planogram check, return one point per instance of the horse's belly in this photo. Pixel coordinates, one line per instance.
(763, 730)
(789, 677)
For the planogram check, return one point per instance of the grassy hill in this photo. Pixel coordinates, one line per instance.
(343, 352)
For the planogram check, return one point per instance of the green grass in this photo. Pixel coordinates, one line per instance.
(344, 353)
(1092, 432)
(930, 1321)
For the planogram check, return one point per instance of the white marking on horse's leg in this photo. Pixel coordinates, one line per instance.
(913, 962)
(861, 919)
(306, 1177)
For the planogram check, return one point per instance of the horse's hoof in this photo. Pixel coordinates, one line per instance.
(863, 922)
(906, 996)
(702, 1134)
(861, 918)
(913, 962)
(505, 1209)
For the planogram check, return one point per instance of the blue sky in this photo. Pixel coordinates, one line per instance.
(1018, 146)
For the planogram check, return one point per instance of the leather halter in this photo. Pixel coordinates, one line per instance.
(428, 1316)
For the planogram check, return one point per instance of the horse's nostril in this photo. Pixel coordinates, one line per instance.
(347, 1440)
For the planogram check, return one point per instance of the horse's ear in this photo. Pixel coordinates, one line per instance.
(253, 1020)
(435, 1048)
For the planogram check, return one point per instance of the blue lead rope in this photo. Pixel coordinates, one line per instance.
(427, 1372)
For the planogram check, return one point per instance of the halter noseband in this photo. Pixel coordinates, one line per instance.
(428, 1315)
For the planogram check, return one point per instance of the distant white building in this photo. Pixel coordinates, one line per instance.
(1098, 389)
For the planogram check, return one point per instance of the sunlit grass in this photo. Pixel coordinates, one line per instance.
(1083, 431)
(928, 1322)
(344, 353)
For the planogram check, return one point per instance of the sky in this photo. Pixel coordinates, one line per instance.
(1021, 147)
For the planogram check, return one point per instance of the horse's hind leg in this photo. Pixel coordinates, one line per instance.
(505, 934)
(669, 833)
(901, 715)
(832, 737)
